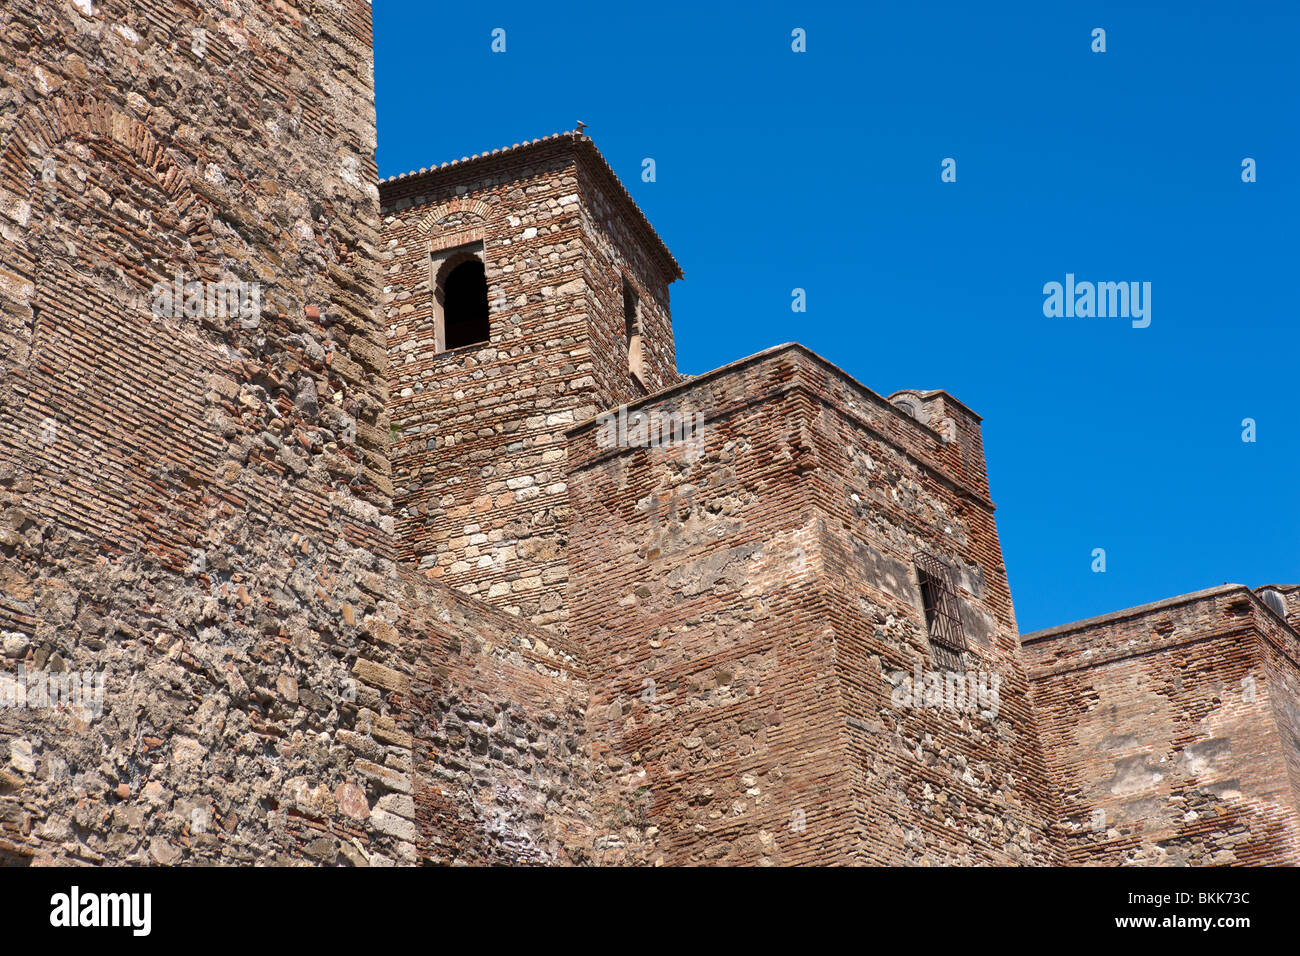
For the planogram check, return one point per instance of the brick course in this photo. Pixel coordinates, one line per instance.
(765, 593)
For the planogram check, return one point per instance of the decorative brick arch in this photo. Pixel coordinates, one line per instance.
(475, 212)
(62, 133)
(450, 246)
(106, 212)
(104, 148)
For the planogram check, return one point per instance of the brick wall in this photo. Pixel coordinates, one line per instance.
(743, 602)
(311, 657)
(1171, 732)
(499, 742)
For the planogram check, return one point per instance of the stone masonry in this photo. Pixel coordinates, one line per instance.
(766, 597)
(285, 580)
(479, 455)
(197, 508)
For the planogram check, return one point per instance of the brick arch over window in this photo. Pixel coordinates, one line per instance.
(449, 220)
(102, 208)
(454, 233)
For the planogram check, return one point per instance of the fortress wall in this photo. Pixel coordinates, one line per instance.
(956, 779)
(1170, 732)
(499, 740)
(1280, 657)
(742, 610)
(524, 641)
(192, 505)
(714, 709)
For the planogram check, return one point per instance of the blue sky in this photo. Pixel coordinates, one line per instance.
(821, 170)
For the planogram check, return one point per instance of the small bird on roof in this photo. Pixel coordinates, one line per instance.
(581, 127)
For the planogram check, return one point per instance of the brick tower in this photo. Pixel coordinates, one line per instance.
(524, 292)
(800, 636)
(753, 566)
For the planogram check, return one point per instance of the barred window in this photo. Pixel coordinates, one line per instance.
(942, 614)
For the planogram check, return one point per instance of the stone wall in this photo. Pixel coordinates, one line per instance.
(618, 246)
(191, 505)
(478, 453)
(1171, 732)
(501, 754)
(746, 601)
(532, 640)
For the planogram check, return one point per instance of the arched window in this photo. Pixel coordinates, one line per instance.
(460, 298)
(632, 331)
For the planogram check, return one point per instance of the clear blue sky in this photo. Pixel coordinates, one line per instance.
(821, 170)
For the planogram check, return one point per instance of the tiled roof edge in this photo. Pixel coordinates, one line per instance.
(621, 194)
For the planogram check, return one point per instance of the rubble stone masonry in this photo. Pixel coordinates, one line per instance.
(745, 600)
(355, 598)
(196, 507)
(479, 454)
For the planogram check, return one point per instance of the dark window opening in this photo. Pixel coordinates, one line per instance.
(465, 305)
(631, 325)
(942, 613)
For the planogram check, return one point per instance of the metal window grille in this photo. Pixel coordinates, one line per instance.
(942, 614)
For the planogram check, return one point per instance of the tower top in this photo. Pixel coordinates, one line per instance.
(574, 142)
